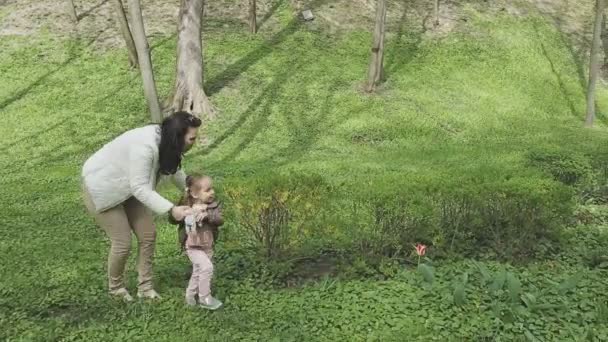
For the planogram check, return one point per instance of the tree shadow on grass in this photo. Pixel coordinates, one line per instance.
(233, 71)
(73, 55)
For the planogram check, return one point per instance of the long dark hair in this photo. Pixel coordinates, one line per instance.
(173, 132)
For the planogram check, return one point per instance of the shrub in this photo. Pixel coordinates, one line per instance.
(509, 218)
(567, 168)
(277, 210)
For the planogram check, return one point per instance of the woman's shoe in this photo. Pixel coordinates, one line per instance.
(148, 294)
(122, 293)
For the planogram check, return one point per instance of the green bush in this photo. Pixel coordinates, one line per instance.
(587, 173)
(277, 211)
(568, 168)
(508, 218)
(511, 218)
(596, 190)
(393, 223)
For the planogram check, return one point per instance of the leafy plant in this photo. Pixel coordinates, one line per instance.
(459, 290)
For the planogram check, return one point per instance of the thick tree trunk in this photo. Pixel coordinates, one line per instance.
(594, 63)
(72, 10)
(126, 32)
(374, 75)
(145, 62)
(253, 25)
(188, 92)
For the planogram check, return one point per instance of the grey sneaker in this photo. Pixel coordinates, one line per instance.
(149, 294)
(190, 300)
(210, 303)
(122, 293)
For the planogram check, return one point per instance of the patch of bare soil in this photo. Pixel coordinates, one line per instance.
(97, 23)
(571, 17)
(97, 18)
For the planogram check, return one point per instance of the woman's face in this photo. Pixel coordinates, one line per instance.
(190, 138)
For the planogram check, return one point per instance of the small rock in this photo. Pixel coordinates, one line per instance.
(307, 15)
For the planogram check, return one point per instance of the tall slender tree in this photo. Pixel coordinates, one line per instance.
(436, 22)
(253, 25)
(594, 62)
(125, 31)
(376, 65)
(605, 40)
(145, 62)
(71, 8)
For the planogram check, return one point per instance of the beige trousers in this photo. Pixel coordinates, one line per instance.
(118, 222)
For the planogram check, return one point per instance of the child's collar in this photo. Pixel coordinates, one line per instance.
(213, 205)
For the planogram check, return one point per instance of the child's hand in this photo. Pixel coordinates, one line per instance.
(199, 207)
(200, 216)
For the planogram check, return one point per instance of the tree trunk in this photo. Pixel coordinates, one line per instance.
(253, 25)
(72, 10)
(605, 40)
(376, 65)
(436, 23)
(188, 93)
(145, 62)
(126, 32)
(594, 63)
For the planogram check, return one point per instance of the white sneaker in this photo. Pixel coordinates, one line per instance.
(148, 294)
(190, 300)
(122, 293)
(210, 303)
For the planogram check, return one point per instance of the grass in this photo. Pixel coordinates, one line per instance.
(461, 110)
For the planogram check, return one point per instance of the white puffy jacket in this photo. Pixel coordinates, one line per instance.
(128, 166)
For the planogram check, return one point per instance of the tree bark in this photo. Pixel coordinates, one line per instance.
(375, 72)
(436, 22)
(126, 32)
(188, 93)
(605, 40)
(594, 62)
(145, 62)
(72, 10)
(253, 25)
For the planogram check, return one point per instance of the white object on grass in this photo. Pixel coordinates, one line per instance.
(307, 14)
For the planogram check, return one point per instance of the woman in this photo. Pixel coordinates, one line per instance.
(119, 184)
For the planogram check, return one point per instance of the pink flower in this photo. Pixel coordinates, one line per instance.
(420, 249)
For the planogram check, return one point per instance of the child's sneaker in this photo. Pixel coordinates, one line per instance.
(122, 293)
(210, 303)
(190, 300)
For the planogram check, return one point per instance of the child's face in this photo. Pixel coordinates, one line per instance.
(205, 192)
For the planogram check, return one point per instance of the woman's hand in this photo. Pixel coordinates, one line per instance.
(180, 212)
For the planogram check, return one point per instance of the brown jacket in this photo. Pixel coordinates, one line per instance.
(207, 232)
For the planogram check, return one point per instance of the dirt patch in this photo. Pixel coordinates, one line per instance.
(97, 18)
(572, 17)
(97, 23)
(307, 270)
